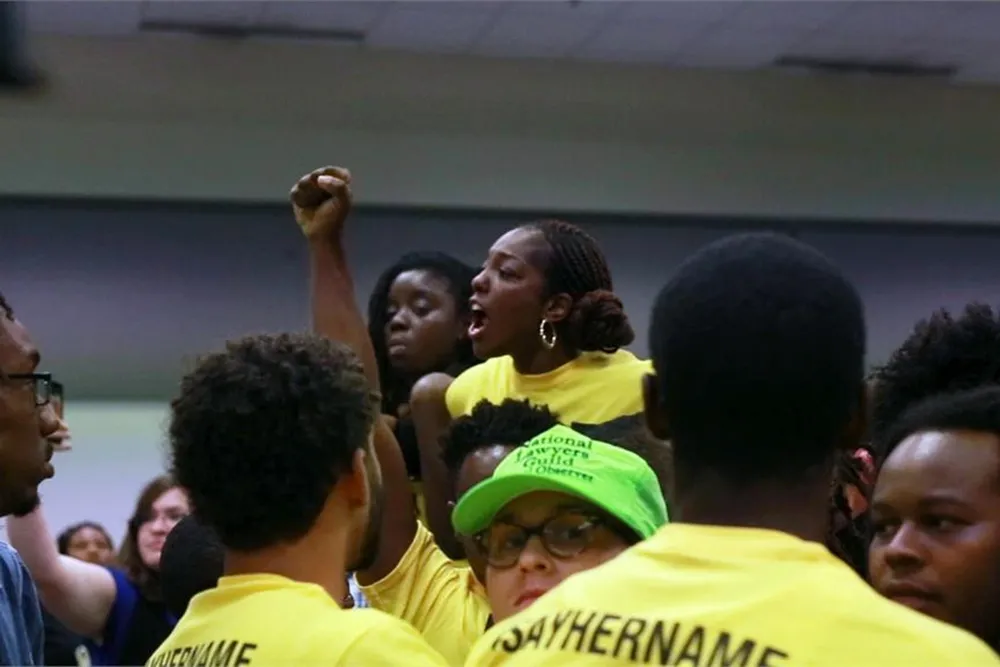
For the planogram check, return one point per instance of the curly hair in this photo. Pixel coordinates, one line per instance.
(512, 422)
(458, 276)
(943, 354)
(576, 266)
(261, 431)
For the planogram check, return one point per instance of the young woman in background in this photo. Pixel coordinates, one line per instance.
(418, 321)
(546, 319)
(90, 542)
(119, 611)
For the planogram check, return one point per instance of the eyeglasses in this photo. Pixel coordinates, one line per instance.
(41, 384)
(563, 535)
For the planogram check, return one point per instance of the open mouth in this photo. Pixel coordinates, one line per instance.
(478, 321)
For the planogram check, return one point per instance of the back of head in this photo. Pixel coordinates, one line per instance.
(511, 423)
(191, 562)
(758, 344)
(261, 432)
(577, 267)
(943, 354)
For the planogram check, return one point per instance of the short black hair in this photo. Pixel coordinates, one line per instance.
(192, 560)
(260, 433)
(459, 277)
(972, 410)
(5, 308)
(943, 354)
(630, 432)
(576, 266)
(512, 422)
(758, 343)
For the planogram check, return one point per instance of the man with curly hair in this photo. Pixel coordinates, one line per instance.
(272, 438)
(944, 353)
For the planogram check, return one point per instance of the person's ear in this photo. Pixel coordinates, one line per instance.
(557, 308)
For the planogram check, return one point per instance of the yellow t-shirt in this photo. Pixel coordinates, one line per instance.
(593, 388)
(265, 619)
(440, 598)
(700, 596)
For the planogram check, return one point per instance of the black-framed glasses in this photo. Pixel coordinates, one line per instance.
(41, 384)
(564, 535)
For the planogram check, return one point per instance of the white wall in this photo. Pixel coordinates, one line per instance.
(117, 448)
(208, 120)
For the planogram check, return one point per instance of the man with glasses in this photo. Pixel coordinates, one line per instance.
(26, 422)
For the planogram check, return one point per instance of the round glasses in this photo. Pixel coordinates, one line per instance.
(564, 535)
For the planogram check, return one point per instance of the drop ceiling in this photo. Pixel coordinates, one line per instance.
(738, 34)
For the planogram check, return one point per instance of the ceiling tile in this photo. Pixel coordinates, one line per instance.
(685, 11)
(558, 9)
(878, 18)
(347, 15)
(978, 21)
(220, 12)
(784, 14)
(82, 17)
(517, 34)
(441, 27)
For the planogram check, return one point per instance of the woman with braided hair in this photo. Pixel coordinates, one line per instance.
(545, 318)
(848, 531)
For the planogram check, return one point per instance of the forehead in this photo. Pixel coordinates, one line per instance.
(481, 464)
(953, 462)
(523, 243)
(87, 533)
(537, 506)
(18, 353)
(423, 280)
(169, 499)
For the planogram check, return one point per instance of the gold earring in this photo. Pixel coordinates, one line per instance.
(549, 336)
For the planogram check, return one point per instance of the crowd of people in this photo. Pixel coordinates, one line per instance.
(479, 473)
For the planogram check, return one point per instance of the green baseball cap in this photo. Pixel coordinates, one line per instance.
(614, 479)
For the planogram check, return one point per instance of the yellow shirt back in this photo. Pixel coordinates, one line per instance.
(593, 388)
(439, 597)
(265, 619)
(705, 596)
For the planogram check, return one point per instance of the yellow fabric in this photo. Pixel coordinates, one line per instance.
(593, 388)
(440, 598)
(421, 502)
(700, 596)
(270, 620)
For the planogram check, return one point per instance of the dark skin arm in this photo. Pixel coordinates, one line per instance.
(322, 201)
(431, 421)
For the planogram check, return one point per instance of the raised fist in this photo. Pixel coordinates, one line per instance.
(321, 201)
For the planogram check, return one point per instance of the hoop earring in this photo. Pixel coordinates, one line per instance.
(549, 336)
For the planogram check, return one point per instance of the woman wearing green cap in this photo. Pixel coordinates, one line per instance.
(561, 504)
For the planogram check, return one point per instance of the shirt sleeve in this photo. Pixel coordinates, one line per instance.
(434, 594)
(34, 625)
(391, 642)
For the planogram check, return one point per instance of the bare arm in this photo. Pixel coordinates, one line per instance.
(336, 316)
(431, 420)
(79, 594)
